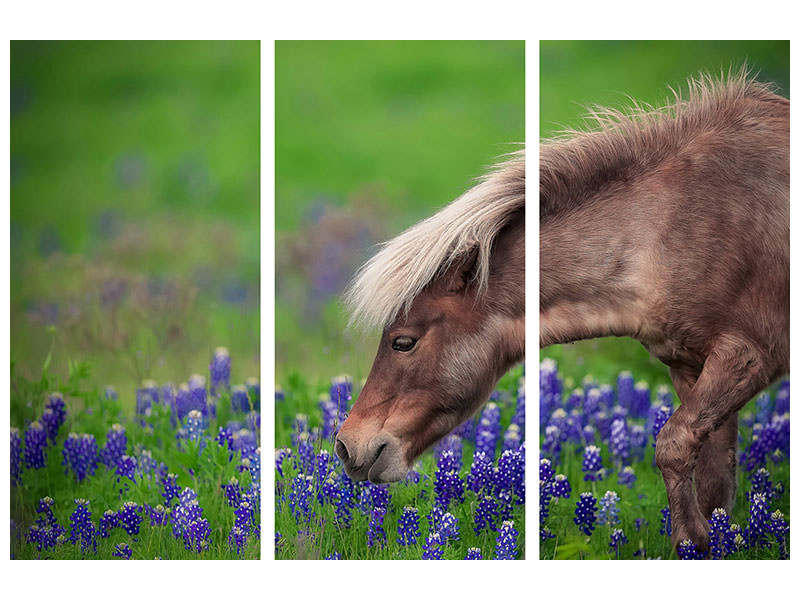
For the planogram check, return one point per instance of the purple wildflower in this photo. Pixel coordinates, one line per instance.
(480, 473)
(16, 457)
(55, 413)
(408, 527)
(666, 522)
(220, 370)
(592, 466)
(376, 533)
(506, 545)
(240, 402)
(617, 539)
(116, 446)
(432, 549)
(626, 477)
(474, 554)
(758, 522)
(108, 521)
(122, 550)
(80, 455)
(779, 528)
(81, 526)
(585, 516)
(687, 550)
(608, 511)
(35, 442)
(720, 543)
(130, 518)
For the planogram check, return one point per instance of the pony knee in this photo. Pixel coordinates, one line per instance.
(676, 449)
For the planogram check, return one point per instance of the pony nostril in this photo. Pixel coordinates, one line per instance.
(378, 453)
(341, 451)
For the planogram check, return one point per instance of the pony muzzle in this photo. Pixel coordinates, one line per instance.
(381, 459)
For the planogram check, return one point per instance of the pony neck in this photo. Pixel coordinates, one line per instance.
(593, 264)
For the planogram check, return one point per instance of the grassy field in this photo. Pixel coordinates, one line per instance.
(370, 138)
(134, 207)
(134, 254)
(321, 513)
(573, 76)
(179, 478)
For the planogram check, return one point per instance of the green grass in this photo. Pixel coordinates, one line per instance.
(134, 164)
(89, 411)
(303, 398)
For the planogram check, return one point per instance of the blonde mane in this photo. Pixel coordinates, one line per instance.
(405, 265)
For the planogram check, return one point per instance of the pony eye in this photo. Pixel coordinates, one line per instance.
(403, 343)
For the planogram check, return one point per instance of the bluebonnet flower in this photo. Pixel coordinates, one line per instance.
(551, 446)
(333, 556)
(80, 455)
(157, 514)
(448, 486)
(510, 474)
(130, 518)
(619, 441)
(575, 399)
(448, 528)
(720, 542)
(617, 539)
(55, 413)
(408, 526)
(47, 531)
(116, 446)
(480, 473)
(641, 400)
(195, 428)
(488, 430)
(237, 539)
(625, 389)
(220, 370)
(171, 489)
(687, 550)
(376, 533)
(779, 528)
(762, 483)
(506, 545)
(233, 492)
(486, 514)
(561, 487)
(81, 526)
(626, 477)
(300, 498)
(35, 443)
(198, 395)
(585, 513)
(110, 393)
(592, 464)
(663, 413)
(125, 469)
(108, 521)
(452, 444)
(666, 522)
(341, 392)
(782, 398)
(240, 401)
(550, 387)
(432, 549)
(281, 454)
(183, 401)
(16, 457)
(608, 511)
(474, 554)
(122, 550)
(146, 396)
(758, 522)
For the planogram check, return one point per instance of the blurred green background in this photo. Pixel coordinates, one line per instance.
(135, 207)
(370, 138)
(578, 74)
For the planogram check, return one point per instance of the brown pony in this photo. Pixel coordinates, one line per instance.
(449, 294)
(671, 226)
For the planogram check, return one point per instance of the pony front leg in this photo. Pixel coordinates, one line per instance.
(731, 375)
(715, 473)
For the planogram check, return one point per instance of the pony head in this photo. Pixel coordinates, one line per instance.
(449, 297)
